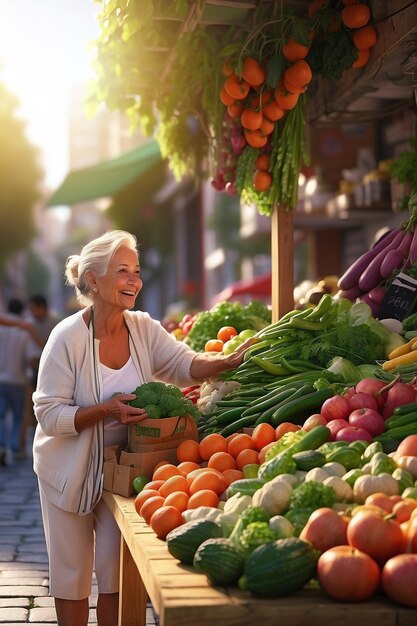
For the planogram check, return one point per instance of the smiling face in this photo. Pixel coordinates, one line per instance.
(121, 283)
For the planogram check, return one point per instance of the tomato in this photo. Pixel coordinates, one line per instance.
(399, 579)
(325, 529)
(378, 536)
(165, 519)
(347, 574)
(226, 332)
(214, 345)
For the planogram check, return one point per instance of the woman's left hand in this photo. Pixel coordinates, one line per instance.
(234, 359)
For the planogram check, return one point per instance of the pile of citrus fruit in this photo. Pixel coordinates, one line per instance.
(204, 472)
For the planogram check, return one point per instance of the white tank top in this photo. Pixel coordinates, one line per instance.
(124, 380)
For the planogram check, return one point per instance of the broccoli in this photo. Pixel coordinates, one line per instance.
(298, 518)
(153, 411)
(312, 495)
(249, 516)
(161, 400)
(256, 534)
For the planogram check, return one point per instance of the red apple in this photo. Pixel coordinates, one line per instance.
(336, 407)
(398, 395)
(362, 400)
(314, 420)
(349, 392)
(334, 426)
(351, 433)
(368, 419)
(372, 386)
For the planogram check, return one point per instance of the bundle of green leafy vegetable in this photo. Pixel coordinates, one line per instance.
(161, 400)
(254, 315)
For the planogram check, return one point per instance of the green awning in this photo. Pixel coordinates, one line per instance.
(107, 178)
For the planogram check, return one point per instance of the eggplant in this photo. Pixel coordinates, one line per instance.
(395, 258)
(412, 257)
(371, 275)
(350, 294)
(351, 277)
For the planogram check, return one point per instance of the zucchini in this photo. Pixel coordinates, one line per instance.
(270, 400)
(182, 542)
(346, 456)
(300, 407)
(279, 568)
(220, 560)
(245, 486)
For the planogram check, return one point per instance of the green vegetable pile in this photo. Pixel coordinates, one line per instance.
(255, 315)
(256, 534)
(161, 400)
(312, 495)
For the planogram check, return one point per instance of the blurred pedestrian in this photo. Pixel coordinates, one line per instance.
(17, 352)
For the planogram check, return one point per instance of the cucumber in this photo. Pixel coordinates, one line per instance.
(245, 486)
(300, 407)
(220, 560)
(346, 456)
(182, 542)
(308, 459)
(279, 568)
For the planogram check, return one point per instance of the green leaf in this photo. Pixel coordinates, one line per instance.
(301, 32)
(231, 49)
(274, 70)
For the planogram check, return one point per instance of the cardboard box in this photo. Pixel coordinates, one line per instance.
(108, 474)
(170, 430)
(146, 460)
(112, 454)
(123, 480)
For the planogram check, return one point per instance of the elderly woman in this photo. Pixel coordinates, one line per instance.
(102, 349)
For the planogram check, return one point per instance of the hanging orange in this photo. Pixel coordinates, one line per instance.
(356, 15)
(285, 99)
(253, 72)
(262, 181)
(255, 138)
(266, 127)
(293, 51)
(363, 58)
(273, 111)
(262, 161)
(225, 97)
(299, 73)
(251, 119)
(292, 88)
(235, 109)
(236, 87)
(365, 37)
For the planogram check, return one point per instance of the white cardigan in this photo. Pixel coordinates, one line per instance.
(70, 464)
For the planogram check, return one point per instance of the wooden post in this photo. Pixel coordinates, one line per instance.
(282, 254)
(132, 592)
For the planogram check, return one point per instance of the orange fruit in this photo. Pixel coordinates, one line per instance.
(402, 510)
(365, 37)
(262, 180)
(160, 463)
(165, 471)
(262, 452)
(230, 437)
(205, 497)
(236, 87)
(221, 461)
(242, 442)
(207, 480)
(226, 332)
(285, 427)
(285, 99)
(256, 138)
(253, 72)
(292, 88)
(299, 73)
(213, 345)
(175, 483)
(179, 499)
(231, 475)
(363, 58)
(251, 119)
(144, 495)
(165, 519)
(246, 457)
(293, 51)
(273, 111)
(262, 435)
(188, 450)
(211, 444)
(235, 109)
(150, 506)
(262, 161)
(186, 467)
(155, 484)
(356, 15)
(267, 126)
(225, 97)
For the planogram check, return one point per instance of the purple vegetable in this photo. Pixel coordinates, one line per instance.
(350, 294)
(374, 305)
(351, 277)
(377, 294)
(413, 248)
(395, 258)
(371, 274)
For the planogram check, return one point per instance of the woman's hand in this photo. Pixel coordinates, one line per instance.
(206, 365)
(124, 413)
(236, 357)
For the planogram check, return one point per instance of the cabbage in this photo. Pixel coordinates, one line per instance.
(359, 313)
(345, 369)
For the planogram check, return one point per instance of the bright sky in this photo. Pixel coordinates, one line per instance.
(43, 54)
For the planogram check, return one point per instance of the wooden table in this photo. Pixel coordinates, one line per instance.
(182, 597)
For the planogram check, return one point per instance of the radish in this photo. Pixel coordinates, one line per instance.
(351, 276)
(371, 275)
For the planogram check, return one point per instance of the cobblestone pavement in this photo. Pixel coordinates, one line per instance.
(23, 559)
